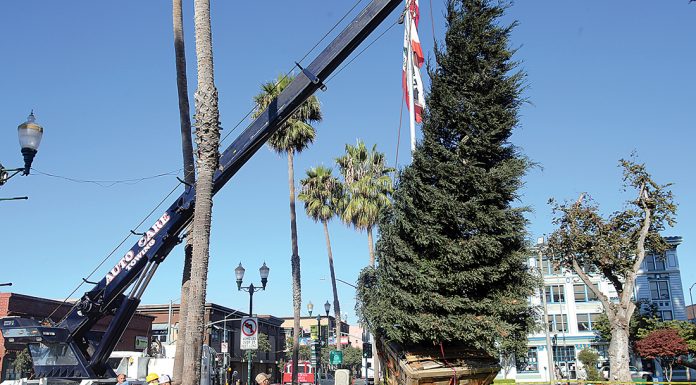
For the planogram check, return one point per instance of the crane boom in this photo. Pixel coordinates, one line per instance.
(71, 349)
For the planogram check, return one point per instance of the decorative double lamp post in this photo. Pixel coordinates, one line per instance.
(30, 134)
(317, 346)
(251, 289)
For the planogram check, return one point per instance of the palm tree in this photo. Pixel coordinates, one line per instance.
(189, 176)
(207, 143)
(321, 192)
(292, 137)
(368, 188)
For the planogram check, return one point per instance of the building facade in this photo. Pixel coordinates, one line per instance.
(573, 311)
(310, 325)
(223, 334)
(135, 337)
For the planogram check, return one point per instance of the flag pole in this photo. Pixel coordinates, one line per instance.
(409, 79)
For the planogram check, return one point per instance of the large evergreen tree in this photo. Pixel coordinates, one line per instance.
(451, 258)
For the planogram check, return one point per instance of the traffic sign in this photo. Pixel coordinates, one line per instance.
(336, 357)
(249, 337)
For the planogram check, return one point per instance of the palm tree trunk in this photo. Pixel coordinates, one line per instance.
(370, 246)
(337, 306)
(178, 370)
(295, 266)
(207, 141)
(189, 177)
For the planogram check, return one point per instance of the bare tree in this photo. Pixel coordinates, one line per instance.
(614, 248)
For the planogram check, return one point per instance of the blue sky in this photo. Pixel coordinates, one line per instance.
(604, 79)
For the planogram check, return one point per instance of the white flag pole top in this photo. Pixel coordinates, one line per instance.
(411, 77)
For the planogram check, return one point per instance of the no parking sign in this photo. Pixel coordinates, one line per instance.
(250, 337)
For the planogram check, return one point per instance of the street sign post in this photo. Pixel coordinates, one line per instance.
(249, 337)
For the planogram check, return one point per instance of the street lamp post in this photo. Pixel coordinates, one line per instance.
(327, 308)
(6, 284)
(251, 289)
(317, 349)
(691, 298)
(317, 356)
(29, 134)
(549, 350)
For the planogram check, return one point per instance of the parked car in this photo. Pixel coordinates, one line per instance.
(635, 373)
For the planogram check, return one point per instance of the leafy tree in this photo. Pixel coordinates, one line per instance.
(189, 176)
(292, 137)
(664, 345)
(368, 188)
(685, 329)
(615, 248)
(264, 346)
(207, 142)
(22, 363)
(645, 319)
(452, 251)
(305, 353)
(589, 358)
(352, 357)
(321, 193)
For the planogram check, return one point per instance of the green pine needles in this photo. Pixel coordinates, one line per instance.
(451, 257)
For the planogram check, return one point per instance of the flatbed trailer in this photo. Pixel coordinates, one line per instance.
(428, 365)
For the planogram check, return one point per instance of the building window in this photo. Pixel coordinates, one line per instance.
(659, 290)
(602, 349)
(655, 263)
(530, 363)
(554, 294)
(586, 321)
(583, 293)
(666, 315)
(563, 353)
(558, 323)
(549, 268)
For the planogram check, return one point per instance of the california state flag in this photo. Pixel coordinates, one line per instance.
(414, 76)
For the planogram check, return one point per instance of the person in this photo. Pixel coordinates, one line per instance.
(121, 379)
(152, 379)
(165, 379)
(263, 379)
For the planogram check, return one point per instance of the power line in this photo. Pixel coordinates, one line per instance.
(107, 183)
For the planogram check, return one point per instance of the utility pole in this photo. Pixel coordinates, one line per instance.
(549, 347)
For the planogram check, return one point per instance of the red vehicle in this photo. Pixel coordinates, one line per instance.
(305, 373)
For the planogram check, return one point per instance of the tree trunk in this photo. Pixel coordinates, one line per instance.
(207, 141)
(337, 306)
(375, 359)
(178, 370)
(182, 90)
(295, 266)
(370, 246)
(189, 177)
(618, 351)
